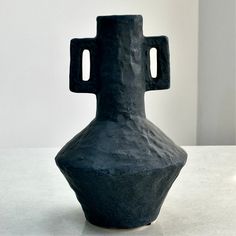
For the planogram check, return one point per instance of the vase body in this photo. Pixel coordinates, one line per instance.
(121, 166)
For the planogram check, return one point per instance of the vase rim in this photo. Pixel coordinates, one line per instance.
(129, 16)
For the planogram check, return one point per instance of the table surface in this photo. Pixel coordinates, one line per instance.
(35, 199)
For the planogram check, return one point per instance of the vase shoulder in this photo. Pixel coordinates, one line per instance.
(127, 145)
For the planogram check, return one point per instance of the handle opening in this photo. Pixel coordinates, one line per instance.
(153, 62)
(86, 65)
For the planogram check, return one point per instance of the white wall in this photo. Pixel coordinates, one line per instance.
(37, 108)
(217, 72)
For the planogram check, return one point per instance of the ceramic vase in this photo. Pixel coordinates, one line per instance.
(121, 166)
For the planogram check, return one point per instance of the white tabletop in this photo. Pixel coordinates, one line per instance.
(35, 198)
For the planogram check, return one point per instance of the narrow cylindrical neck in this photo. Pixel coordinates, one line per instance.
(112, 106)
(120, 67)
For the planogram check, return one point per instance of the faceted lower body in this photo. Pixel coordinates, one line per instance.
(121, 172)
(124, 200)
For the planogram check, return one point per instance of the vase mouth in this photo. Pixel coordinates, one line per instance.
(129, 25)
(120, 17)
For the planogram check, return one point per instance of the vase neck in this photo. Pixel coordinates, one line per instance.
(114, 106)
(120, 66)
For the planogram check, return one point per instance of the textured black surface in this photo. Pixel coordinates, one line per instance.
(120, 166)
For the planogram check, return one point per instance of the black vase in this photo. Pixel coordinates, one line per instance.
(121, 165)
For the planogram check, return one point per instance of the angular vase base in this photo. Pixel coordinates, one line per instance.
(121, 180)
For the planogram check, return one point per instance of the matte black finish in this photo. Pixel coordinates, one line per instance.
(120, 166)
